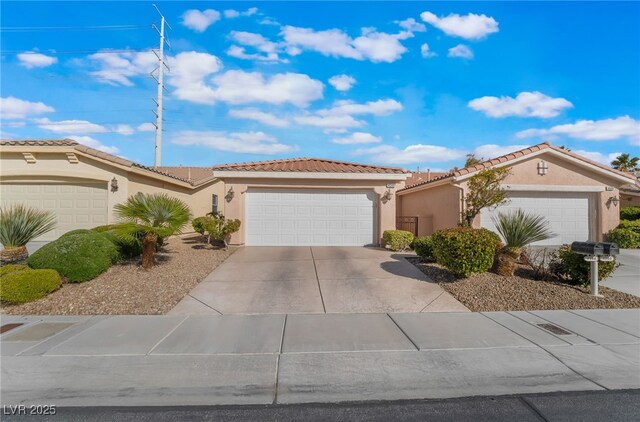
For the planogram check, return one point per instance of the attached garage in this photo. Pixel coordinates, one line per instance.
(566, 212)
(310, 217)
(75, 205)
(310, 202)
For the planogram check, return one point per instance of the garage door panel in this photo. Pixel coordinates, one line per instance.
(567, 214)
(76, 206)
(312, 217)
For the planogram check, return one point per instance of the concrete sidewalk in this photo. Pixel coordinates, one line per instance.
(263, 359)
(626, 278)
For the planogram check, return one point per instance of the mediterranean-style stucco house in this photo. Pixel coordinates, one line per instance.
(309, 201)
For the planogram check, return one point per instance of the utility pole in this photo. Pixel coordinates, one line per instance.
(160, 80)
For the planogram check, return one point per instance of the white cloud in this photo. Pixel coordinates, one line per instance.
(471, 26)
(357, 138)
(189, 77)
(412, 154)
(200, 21)
(93, 143)
(257, 41)
(259, 116)
(30, 59)
(15, 108)
(461, 51)
(146, 127)
(370, 45)
(599, 157)
(119, 68)
(490, 151)
(526, 104)
(411, 25)
(75, 127)
(592, 130)
(340, 115)
(238, 142)
(426, 52)
(232, 14)
(269, 21)
(342, 82)
(124, 130)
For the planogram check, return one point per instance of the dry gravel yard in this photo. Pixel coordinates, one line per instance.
(127, 289)
(491, 292)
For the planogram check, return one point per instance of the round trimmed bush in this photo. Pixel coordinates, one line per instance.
(423, 246)
(26, 285)
(464, 250)
(630, 213)
(571, 265)
(625, 238)
(9, 268)
(397, 240)
(77, 256)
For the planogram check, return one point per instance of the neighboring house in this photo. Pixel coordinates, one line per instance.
(579, 197)
(309, 201)
(630, 196)
(82, 185)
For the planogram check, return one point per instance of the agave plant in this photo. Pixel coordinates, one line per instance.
(518, 229)
(19, 224)
(154, 215)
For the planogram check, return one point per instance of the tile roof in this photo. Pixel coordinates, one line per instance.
(513, 156)
(424, 176)
(95, 153)
(194, 174)
(315, 165)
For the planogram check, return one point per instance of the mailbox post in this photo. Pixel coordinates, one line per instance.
(594, 252)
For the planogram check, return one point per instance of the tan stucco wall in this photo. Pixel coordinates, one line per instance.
(443, 203)
(54, 167)
(629, 200)
(386, 212)
(436, 208)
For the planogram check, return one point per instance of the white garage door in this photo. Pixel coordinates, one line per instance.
(76, 206)
(567, 213)
(309, 218)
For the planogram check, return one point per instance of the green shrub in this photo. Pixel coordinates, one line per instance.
(633, 225)
(572, 266)
(220, 229)
(200, 224)
(423, 246)
(128, 246)
(76, 256)
(397, 240)
(105, 228)
(630, 213)
(9, 268)
(464, 250)
(27, 285)
(624, 238)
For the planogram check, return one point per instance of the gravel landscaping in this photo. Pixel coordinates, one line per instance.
(491, 292)
(127, 289)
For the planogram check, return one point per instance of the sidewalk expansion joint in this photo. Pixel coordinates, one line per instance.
(275, 389)
(317, 279)
(402, 331)
(210, 307)
(428, 304)
(533, 408)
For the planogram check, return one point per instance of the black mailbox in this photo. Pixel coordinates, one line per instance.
(611, 249)
(588, 248)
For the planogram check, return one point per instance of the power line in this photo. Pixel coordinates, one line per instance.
(71, 28)
(160, 81)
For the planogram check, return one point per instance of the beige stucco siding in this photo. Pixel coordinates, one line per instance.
(627, 200)
(236, 207)
(436, 208)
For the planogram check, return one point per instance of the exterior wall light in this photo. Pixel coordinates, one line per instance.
(114, 185)
(543, 167)
(229, 195)
(614, 200)
(386, 197)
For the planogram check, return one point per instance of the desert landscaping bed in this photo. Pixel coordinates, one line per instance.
(127, 289)
(490, 292)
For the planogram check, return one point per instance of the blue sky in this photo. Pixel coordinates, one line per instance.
(404, 84)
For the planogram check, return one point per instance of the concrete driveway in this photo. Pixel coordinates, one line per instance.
(277, 280)
(626, 277)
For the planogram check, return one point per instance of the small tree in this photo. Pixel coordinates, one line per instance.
(220, 229)
(624, 162)
(154, 215)
(484, 191)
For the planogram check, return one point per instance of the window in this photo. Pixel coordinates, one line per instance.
(214, 204)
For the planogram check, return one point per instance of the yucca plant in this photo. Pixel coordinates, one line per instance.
(20, 224)
(155, 215)
(518, 229)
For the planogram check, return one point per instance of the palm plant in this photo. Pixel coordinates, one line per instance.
(518, 229)
(19, 224)
(624, 162)
(154, 215)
